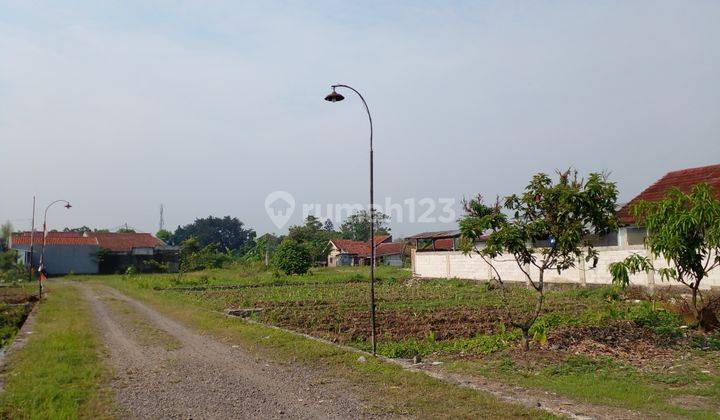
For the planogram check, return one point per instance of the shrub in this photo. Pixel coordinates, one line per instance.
(292, 258)
(658, 320)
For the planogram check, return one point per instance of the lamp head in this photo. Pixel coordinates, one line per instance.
(334, 96)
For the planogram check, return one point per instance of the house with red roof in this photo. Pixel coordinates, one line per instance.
(684, 179)
(93, 252)
(349, 252)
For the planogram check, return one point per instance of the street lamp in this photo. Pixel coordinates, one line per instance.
(336, 97)
(41, 268)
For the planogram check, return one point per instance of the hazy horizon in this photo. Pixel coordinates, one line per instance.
(208, 108)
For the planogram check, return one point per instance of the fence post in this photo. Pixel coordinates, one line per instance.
(583, 281)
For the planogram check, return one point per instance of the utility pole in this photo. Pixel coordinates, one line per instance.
(162, 219)
(32, 238)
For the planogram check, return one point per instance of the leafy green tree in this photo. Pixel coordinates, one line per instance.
(267, 243)
(546, 228)
(6, 231)
(357, 226)
(164, 235)
(328, 226)
(225, 234)
(684, 230)
(292, 257)
(313, 237)
(194, 257)
(81, 229)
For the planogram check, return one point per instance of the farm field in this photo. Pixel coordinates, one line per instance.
(16, 301)
(602, 346)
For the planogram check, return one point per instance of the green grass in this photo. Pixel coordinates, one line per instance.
(414, 318)
(384, 388)
(59, 373)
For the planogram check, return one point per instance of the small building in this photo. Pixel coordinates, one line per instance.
(65, 252)
(345, 252)
(631, 234)
(445, 240)
(95, 252)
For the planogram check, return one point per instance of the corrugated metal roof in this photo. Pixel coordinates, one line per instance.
(436, 235)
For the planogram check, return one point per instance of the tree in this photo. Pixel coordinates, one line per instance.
(547, 228)
(81, 229)
(6, 230)
(194, 257)
(329, 226)
(357, 226)
(313, 237)
(264, 245)
(292, 257)
(684, 230)
(226, 234)
(165, 236)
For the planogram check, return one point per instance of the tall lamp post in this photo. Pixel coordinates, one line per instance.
(41, 268)
(336, 97)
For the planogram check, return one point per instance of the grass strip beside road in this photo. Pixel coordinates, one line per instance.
(385, 388)
(60, 372)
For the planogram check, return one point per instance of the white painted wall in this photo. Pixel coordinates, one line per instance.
(454, 264)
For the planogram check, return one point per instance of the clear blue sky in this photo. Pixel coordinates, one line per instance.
(208, 107)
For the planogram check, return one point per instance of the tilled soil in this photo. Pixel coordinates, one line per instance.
(203, 378)
(351, 324)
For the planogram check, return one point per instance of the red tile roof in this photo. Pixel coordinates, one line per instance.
(362, 249)
(125, 242)
(389, 248)
(382, 238)
(53, 238)
(351, 247)
(116, 242)
(683, 180)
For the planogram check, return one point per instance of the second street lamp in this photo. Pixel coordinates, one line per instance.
(336, 97)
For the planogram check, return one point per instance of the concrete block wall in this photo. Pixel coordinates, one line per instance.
(454, 264)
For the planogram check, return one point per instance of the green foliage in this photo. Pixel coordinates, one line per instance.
(482, 344)
(292, 257)
(193, 257)
(621, 270)
(164, 235)
(11, 318)
(683, 229)
(81, 229)
(6, 230)
(10, 270)
(546, 227)
(313, 237)
(657, 319)
(266, 243)
(706, 343)
(357, 226)
(224, 234)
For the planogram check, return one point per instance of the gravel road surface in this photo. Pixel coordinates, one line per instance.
(166, 370)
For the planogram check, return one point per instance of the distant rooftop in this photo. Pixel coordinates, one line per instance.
(683, 180)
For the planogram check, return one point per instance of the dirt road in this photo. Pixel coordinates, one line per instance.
(165, 370)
